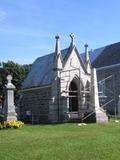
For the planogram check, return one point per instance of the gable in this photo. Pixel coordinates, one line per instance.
(74, 61)
(74, 57)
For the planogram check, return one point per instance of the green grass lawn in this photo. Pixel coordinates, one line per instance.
(61, 142)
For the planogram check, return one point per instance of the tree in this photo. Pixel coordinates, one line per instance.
(17, 71)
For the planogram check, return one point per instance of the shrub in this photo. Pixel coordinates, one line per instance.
(1, 126)
(11, 124)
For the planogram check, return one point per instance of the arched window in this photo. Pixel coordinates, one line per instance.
(73, 97)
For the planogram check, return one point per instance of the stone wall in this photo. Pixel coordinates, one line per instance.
(57, 104)
(34, 105)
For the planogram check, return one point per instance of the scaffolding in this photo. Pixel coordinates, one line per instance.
(65, 89)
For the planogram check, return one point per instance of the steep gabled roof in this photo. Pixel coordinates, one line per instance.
(42, 71)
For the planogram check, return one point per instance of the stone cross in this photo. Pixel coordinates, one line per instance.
(72, 36)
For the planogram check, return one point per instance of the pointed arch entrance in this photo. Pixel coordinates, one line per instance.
(73, 97)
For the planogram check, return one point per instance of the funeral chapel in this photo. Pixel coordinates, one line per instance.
(61, 87)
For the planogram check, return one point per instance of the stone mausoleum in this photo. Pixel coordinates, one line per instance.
(60, 87)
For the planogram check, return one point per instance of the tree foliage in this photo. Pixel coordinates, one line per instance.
(17, 71)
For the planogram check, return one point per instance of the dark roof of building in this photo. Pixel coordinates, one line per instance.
(93, 54)
(109, 56)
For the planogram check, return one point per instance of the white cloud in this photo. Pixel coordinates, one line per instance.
(3, 15)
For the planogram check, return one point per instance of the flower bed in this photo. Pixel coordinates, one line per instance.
(11, 124)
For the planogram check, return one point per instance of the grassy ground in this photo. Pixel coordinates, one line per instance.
(61, 142)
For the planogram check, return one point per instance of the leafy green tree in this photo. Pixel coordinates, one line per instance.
(17, 71)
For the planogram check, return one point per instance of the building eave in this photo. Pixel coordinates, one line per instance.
(34, 88)
(108, 67)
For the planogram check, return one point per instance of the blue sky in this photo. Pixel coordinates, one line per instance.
(28, 27)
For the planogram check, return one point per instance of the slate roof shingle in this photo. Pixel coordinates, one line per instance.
(42, 72)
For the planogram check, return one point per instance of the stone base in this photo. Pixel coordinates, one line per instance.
(101, 117)
(11, 116)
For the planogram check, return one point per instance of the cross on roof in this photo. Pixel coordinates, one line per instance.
(57, 36)
(72, 36)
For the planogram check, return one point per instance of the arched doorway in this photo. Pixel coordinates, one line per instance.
(73, 97)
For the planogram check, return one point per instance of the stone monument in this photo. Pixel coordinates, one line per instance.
(9, 107)
(118, 107)
(99, 112)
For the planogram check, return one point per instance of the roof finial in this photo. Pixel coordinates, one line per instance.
(87, 62)
(86, 45)
(57, 47)
(58, 61)
(57, 37)
(72, 36)
(86, 53)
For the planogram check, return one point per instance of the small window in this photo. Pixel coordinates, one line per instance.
(101, 88)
